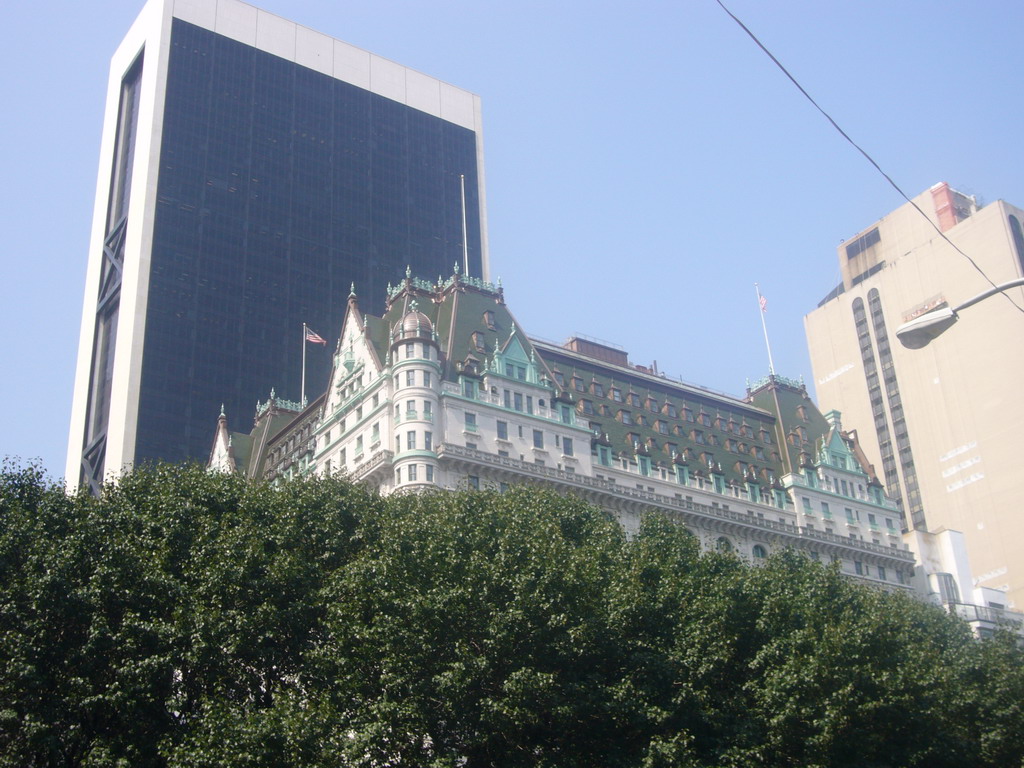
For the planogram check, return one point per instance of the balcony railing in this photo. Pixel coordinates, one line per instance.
(671, 502)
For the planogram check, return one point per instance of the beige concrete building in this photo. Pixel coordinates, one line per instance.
(942, 423)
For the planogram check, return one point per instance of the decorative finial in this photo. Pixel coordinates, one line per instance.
(389, 286)
(272, 393)
(414, 306)
(352, 291)
(408, 272)
(222, 410)
(456, 267)
(499, 281)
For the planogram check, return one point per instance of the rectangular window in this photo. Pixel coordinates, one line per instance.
(341, 459)
(503, 430)
(410, 441)
(468, 388)
(410, 408)
(409, 350)
(566, 413)
(881, 572)
(412, 473)
(807, 505)
(426, 378)
(359, 445)
(410, 380)
(858, 566)
(430, 473)
(398, 475)
(824, 509)
(510, 370)
(427, 414)
(470, 422)
(520, 373)
(567, 446)
(529, 404)
(474, 482)
(538, 438)
(517, 401)
(507, 398)
(849, 516)
(428, 441)
(375, 433)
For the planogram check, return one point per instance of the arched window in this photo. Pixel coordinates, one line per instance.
(723, 544)
(1018, 241)
(760, 553)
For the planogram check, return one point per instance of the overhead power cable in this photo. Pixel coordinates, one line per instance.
(868, 157)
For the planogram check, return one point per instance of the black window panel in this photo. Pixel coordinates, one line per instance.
(279, 187)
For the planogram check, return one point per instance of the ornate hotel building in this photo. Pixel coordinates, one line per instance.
(446, 390)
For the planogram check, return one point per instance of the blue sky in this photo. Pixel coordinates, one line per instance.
(645, 164)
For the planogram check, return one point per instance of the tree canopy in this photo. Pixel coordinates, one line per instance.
(195, 619)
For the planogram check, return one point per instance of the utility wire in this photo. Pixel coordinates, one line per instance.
(865, 154)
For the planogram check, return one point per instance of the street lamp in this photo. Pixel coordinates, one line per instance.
(921, 330)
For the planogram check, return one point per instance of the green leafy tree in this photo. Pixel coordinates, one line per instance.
(192, 619)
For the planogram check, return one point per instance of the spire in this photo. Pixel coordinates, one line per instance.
(352, 291)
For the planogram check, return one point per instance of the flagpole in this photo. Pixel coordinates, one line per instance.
(465, 244)
(761, 306)
(303, 400)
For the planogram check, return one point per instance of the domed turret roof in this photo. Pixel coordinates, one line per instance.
(413, 325)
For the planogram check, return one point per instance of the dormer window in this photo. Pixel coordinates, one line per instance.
(670, 410)
(478, 341)
(615, 394)
(652, 405)
(489, 319)
(597, 389)
(625, 417)
(634, 399)
(577, 384)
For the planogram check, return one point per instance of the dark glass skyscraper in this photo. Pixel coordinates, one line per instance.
(251, 171)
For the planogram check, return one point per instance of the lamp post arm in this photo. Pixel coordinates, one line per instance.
(990, 292)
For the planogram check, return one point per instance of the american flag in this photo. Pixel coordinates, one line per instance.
(763, 302)
(314, 337)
